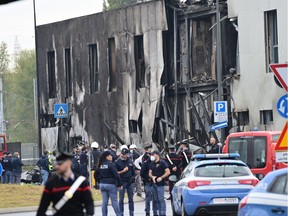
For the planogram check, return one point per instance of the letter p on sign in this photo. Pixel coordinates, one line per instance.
(220, 107)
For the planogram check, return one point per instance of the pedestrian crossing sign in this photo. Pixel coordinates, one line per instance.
(61, 111)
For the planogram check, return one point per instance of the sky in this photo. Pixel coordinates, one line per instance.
(17, 19)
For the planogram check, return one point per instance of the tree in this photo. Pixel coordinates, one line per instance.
(113, 4)
(19, 99)
(4, 58)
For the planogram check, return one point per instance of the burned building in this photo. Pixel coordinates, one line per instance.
(147, 72)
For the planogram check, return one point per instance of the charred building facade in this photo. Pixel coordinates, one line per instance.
(138, 74)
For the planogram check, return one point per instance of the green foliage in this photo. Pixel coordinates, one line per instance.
(19, 99)
(113, 4)
(4, 57)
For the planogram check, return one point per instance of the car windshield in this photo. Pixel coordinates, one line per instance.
(252, 150)
(221, 170)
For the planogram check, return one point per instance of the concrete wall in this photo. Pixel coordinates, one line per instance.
(256, 90)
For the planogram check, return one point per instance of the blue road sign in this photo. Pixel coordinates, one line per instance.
(1, 169)
(218, 126)
(220, 111)
(282, 106)
(221, 106)
(61, 111)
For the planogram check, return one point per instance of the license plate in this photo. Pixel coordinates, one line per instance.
(225, 200)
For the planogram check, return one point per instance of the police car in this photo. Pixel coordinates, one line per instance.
(212, 184)
(269, 197)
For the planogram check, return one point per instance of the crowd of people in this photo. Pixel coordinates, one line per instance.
(12, 168)
(117, 175)
(117, 172)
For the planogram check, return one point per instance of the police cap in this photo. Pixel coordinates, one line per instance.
(63, 156)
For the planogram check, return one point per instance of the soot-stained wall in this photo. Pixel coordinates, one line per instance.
(115, 98)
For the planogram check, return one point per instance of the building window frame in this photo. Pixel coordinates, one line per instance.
(271, 38)
(51, 70)
(68, 72)
(112, 61)
(94, 68)
(266, 117)
(139, 61)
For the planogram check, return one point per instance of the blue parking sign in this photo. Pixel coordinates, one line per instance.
(220, 111)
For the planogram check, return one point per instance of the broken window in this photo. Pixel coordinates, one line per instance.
(51, 74)
(68, 72)
(201, 49)
(243, 118)
(93, 68)
(271, 38)
(266, 117)
(139, 61)
(112, 65)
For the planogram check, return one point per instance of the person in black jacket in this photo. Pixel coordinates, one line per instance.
(43, 164)
(126, 171)
(108, 178)
(215, 147)
(7, 168)
(17, 168)
(185, 155)
(174, 163)
(59, 184)
(148, 185)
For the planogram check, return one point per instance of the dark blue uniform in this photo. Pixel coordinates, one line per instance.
(158, 169)
(127, 180)
(107, 174)
(109, 180)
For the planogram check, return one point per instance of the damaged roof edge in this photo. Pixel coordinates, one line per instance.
(103, 12)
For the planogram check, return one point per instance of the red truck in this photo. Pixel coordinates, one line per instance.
(256, 149)
(3, 145)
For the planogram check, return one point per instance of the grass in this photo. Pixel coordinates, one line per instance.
(27, 195)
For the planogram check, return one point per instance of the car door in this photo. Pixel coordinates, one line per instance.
(278, 196)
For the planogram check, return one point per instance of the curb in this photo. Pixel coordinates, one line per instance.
(34, 208)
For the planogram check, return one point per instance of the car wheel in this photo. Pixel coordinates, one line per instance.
(173, 209)
(183, 210)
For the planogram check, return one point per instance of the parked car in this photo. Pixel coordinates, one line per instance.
(269, 197)
(212, 184)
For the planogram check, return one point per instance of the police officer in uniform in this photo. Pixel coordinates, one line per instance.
(108, 179)
(158, 171)
(174, 163)
(59, 186)
(126, 171)
(185, 155)
(148, 184)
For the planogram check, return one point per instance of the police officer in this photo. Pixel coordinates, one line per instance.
(215, 147)
(135, 155)
(126, 171)
(17, 168)
(3, 177)
(95, 154)
(185, 155)
(113, 150)
(174, 163)
(43, 164)
(148, 184)
(158, 171)
(108, 178)
(57, 187)
(7, 168)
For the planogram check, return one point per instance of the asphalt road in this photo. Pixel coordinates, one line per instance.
(139, 210)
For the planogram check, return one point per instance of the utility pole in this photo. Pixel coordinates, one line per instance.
(219, 60)
(37, 85)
